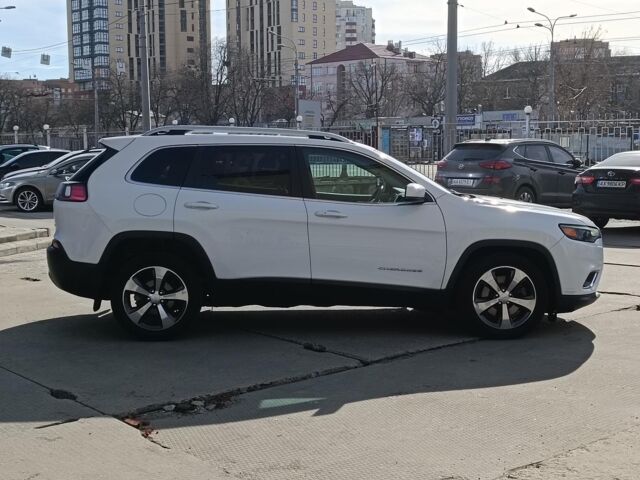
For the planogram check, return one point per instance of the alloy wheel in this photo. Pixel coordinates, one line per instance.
(155, 298)
(28, 200)
(525, 197)
(504, 297)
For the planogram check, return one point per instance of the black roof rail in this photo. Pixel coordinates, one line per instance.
(208, 130)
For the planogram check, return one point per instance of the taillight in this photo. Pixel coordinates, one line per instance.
(442, 165)
(585, 179)
(72, 192)
(634, 181)
(496, 164)
(491, 179)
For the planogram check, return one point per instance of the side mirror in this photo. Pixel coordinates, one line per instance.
(53, 172)
(575, 163)
(415, 192)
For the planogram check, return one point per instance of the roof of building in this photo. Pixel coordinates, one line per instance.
(364, 51)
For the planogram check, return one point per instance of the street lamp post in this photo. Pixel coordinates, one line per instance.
(296, 67)
(47, 132)
(527, 121)
(16, 128)
(552, 68)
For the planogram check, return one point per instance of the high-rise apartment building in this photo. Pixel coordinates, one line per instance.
(274, 32)
(354, 24)
(104, 37)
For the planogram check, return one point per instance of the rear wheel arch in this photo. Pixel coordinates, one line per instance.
(533, 251)
(128, 245)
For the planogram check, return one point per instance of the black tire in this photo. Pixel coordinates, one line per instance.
(28, 200)
(600, 222)
(526, 194)
(161, 319)
(474, 293)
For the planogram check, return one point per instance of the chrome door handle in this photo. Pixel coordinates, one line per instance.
(330, 214)
(201, 206)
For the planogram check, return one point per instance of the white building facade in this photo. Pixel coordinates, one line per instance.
(354, 24)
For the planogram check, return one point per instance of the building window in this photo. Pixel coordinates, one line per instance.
(77, 51)
(190, 50)
(183, 20)
(85, 15)
(75, 4)
(119, 50)
(301, 41)
(86, 50)
(301, 28)
(301, 55)
(119, 13)
(315, 55)
(315, 31)
(75, 17)
(76, 28)
(118, 2)
(119, 38)
(315, 5)
(101, 13)
(315, 18)
(315, 43)
(119, 26)
(189, 38)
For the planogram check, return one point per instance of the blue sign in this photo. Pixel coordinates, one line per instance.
(466, 120)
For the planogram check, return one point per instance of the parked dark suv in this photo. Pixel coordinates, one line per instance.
(530, 170)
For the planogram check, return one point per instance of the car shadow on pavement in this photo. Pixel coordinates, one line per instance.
(353, 355)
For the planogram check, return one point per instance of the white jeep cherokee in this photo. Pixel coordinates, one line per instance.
(167, 222)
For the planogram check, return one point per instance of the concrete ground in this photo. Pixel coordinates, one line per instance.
(307, 393)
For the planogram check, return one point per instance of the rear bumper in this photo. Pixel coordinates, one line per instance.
(81, 279)
(623, 205)
(570, 303)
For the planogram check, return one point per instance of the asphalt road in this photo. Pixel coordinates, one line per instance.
(306, 393)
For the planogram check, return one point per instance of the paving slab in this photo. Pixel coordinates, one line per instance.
(471, 411)
(99, 448)
(620, 280)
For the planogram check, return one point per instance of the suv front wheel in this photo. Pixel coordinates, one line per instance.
(502, 296)
(155, 296)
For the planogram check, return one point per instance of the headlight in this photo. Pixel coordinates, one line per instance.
(7, 184)
(581, 233)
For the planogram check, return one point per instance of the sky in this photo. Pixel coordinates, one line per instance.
(40, 26)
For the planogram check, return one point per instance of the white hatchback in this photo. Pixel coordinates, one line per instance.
(164, 223)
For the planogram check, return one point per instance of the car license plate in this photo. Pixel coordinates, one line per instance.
(462, 182)
(612, 183)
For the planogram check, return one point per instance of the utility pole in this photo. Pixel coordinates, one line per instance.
(451, 106)
(144, 66)
(96, 103)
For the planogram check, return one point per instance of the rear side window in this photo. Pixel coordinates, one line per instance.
(167, 166)
(264, 170)
(474, 152)
(36, 159)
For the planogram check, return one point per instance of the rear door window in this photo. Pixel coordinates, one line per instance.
(35, 159)
(536, 152)
(264, 170)
(166, 166)
(475, 152)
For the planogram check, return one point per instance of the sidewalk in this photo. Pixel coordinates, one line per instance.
(15, 240)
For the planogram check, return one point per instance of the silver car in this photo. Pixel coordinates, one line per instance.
(33, 188)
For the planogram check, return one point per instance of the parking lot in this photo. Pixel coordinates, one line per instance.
(306, 393)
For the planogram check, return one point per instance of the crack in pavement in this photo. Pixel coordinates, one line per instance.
(620, 293)
(621, 265)
(55, 393)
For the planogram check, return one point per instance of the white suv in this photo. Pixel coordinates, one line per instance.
(167, 222)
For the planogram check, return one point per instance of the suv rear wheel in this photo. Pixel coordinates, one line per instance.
(503, 296)
(155, 296)
(526, 194)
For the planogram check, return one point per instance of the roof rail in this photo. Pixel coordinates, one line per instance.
(208, 130)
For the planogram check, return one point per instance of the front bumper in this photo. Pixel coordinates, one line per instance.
(6, 195)
(77, 278)
(571, 303)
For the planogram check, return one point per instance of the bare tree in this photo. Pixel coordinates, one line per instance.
(426, 88)
(376, 88)
(120, 103)
(246, 89)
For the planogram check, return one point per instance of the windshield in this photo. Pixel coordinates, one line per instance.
(61, 159)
